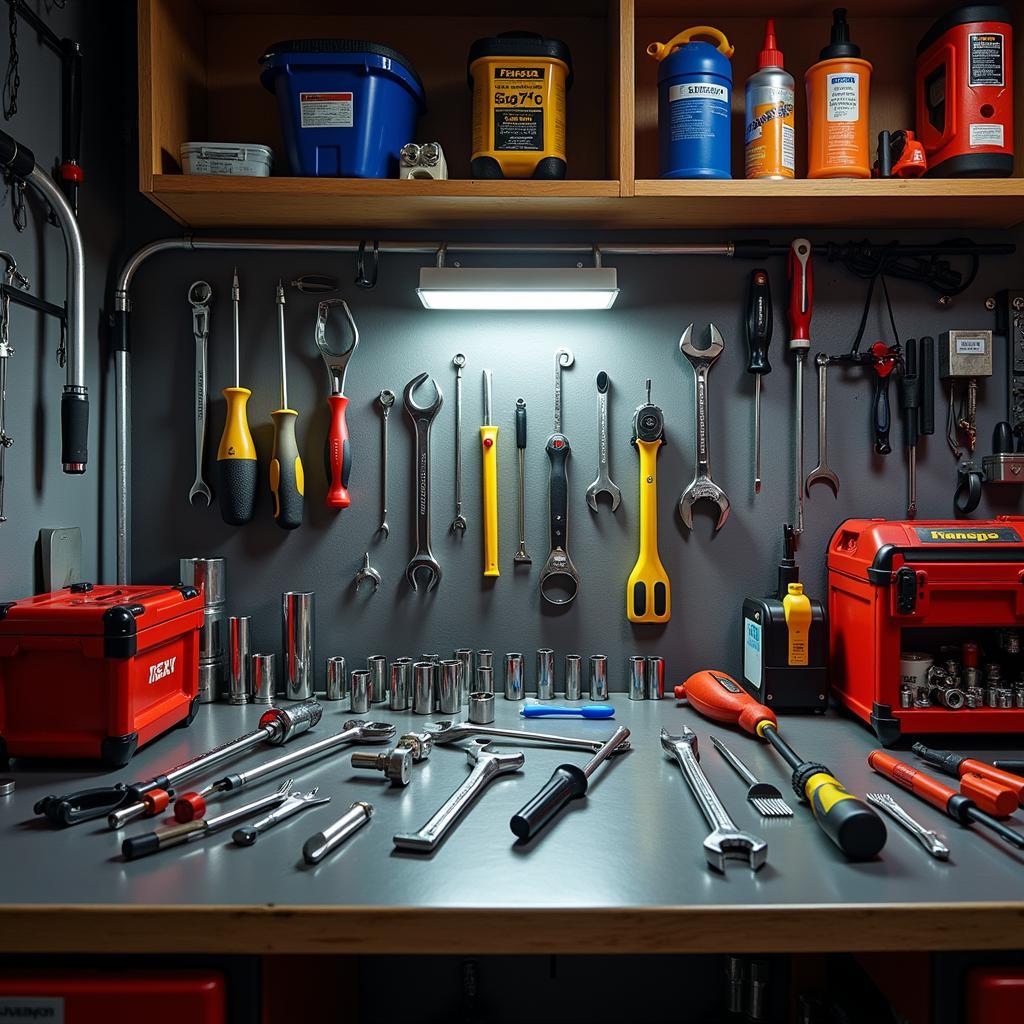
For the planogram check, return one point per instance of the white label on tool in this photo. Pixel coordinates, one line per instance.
(986, 135)
(752, 652)
(326, 109)
(698, 91)
(843, 96)
(30, 1009)
(971, 346)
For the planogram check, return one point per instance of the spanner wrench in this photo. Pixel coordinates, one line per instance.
(725, 840)
(821, 472)
(443, 733)
(603, 483)
(422, 417)
(199, 295)
(702, 487)
(487, 765)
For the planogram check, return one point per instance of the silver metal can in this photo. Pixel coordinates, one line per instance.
(336, 687)
(545, 674)
(298, 642)
(239, 653)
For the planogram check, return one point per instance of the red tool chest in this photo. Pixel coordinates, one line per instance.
(899, 586)
(97, 671)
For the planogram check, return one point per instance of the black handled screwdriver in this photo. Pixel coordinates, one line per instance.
(910, 399)
(567, 783)
(759, 337)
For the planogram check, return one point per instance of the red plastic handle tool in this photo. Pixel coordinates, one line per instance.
(928, 789)
(718, 696)
(994, 774)
(337, 455)
(800, 271)
(991, 797)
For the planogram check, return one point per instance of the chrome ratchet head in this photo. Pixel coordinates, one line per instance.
(448, 731)
(559, 580)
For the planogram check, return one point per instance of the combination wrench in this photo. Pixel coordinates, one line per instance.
(603, 482)
(422, 416)
(725, 840)
(822, 473)
(385, 399)
(458, 524)
(702, 487)
(487, 766)
(443, 733)
(199, 296)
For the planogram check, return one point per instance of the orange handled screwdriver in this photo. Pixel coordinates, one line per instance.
(337, 453)
(847, 820)
(954, 805)
(956, 765)
(287, 481)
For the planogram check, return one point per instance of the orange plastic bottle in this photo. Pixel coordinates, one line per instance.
(838, 98)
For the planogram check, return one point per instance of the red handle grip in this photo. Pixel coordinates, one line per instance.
(990, 796)
(801, 293)
(931, 790)
(718, 696)
(1001, 778)
(337, 456)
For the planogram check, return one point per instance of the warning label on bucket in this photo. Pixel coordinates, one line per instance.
(326, 109)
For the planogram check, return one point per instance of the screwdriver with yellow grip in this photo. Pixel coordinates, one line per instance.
(489, 461)
(847, 820)
(236, 456)
(286, 477)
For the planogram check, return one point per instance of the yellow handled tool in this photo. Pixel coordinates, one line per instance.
(648, 593)
(286, 477)
(489, 459)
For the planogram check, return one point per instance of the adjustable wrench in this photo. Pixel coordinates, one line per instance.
(821, 472)
(725, 840)
(603, 483)
(297, 801)
(487, 765)
(702, 487)
(386, 399)
(199, 295)
(422, 417)
(443, 733)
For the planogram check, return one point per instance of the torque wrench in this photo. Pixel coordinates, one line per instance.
(287, 481)
(759, 337)
(123, 803)
(386, 399)
(801, 296)
(199, 296)
(489, 463)
(338, 448)
(603, 481)
(568, 782)
(925, 836)
(846, 819)
(521, 557)
(458, 524)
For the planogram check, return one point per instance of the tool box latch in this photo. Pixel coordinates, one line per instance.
(906, 591)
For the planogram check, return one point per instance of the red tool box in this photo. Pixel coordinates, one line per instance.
(932, 587)
(97, 671)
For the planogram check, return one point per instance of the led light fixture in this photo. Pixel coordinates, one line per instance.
(518, 288)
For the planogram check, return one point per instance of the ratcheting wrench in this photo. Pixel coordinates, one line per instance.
(822, 473)
(297, 801)
(458, 524)
(337, 451)
(199, 296)
(603, 482)
(487, 765)
(725, 839)
(422, 417)
(702, 487)
(443, 733)
(386, 399)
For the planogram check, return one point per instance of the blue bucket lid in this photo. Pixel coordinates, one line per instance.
(695, 58)
(339, 51)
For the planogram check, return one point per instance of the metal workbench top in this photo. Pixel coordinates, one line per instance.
(622, 870)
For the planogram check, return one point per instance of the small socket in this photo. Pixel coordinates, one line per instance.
(336, 688)
(481, 708)
(598, 677)
(573, 677)
(359, 691)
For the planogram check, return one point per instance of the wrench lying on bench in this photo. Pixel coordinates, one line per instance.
(725, 839)
(443, 733)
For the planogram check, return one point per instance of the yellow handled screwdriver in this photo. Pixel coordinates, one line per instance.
(236, 456)
(648, 592)
(489, 453)
(286, 476)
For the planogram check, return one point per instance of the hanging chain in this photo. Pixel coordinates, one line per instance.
(13, 80)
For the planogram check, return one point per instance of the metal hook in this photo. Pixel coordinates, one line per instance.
(362, 281)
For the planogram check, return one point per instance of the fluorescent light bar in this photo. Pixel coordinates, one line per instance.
(520, 288)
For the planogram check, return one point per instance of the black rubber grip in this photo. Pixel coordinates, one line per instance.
(558, 488)
(140, 846)
(567, 783)
(520, 424)
(18, 159)
(119, 335)
(287, 488)
(236, 490)
(85, 805)
(74, 431)
(759, 323)
(944, 760)
(754, 249)
(881, 415)
(927, 385)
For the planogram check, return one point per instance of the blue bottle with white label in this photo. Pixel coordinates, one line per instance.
(694, 104)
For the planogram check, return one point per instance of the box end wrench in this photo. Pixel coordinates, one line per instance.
(422, 416)
(726, 840)
(822, 473)
(487, 765)
(337, 449)
(199, 295)
(603, 482)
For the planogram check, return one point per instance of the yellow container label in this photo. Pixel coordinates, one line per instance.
(770, 149)
(797, 609)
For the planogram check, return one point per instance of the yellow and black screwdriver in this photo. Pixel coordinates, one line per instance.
(236, 456)
(286, 477)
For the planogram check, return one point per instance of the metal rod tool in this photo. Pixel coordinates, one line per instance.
(386, 399)
(458, 524)
(759, 337)
(318, 845)
(801, 293)
(521, 557)
(443, 733)
(925, 836)
(199, 295)
(296, 802)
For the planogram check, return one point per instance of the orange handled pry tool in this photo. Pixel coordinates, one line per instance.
(337, 453)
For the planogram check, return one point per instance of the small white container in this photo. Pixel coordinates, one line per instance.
(233, 158)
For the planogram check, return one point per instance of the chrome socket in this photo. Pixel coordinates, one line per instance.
(573, 677)
(481, 708)
(359, 691)
(423, 688)
(336, 683)
(514, 682)
(637, 685)
(298, 642)
(545, 675)
(377, 665)
(655, 677)
(598, 677)
(263, 673)
(464, 656)
(239, 653)
(450, 694)
(400, 685)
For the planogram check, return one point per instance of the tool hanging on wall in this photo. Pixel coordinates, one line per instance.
(759, 337)
(338, 448)
(385, 400)
(559, 580)
(603, 481)
(199, 296)
(917, 399)
(458, 524)
(422, 417)
(12, 278)
(822, 472)
(236, 455)
(800, 272)
(521, 557)
(489, 466)
(1009, 309)
(287, 480)
(648, 590)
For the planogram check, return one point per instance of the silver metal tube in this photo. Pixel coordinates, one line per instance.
(359, 691)
(400, 686)
(598, 677)
(464, 656)
(318, 845)
(485, 659)
(573, 677)
(263, 669)
(239, 650)
(449, 695)
(637, 686)
(515, 688)
(378, 667)
(298, 643)
(545, 674)
(122, 480)
(484, 679)
(655, 677)
(335, 688)
(481, 708)
(423, 688)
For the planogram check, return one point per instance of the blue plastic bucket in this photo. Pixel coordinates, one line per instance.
(347, 106)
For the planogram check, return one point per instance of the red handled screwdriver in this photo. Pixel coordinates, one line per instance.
(953, 804)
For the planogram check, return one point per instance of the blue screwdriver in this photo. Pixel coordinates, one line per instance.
(556, 711)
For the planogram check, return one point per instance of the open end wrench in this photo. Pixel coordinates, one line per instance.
(603, 483)
(199, 295)
(367, 572)
(458, 524)
(443, 733)
(487, 766)
(702, 487)
(296, 802)
(821, 472)
(386, 399)
(726, 840)
(422, 416)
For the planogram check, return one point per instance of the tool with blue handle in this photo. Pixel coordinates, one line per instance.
(555, 711)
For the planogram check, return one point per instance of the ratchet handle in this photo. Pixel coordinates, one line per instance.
(924, 786)
(567, 783)
(520, 423)
(337, 454)
(759, 323)
(286, 476)
(558, 450)
(801, 294)
(719, 697)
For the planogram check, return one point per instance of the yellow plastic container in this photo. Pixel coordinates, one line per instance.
(519, 81)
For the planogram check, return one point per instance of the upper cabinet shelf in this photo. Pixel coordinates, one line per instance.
(198, 81)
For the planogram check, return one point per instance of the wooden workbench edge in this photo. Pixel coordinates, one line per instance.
(88, 928)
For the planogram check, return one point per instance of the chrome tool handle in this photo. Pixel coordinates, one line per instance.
(714, 811)
(318, 845)
(737, 765)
